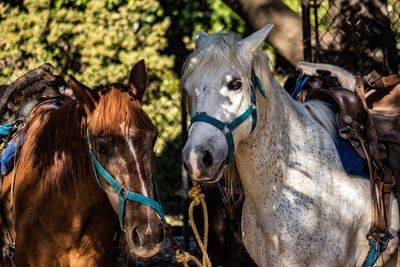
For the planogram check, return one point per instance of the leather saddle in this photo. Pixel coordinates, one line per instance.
(369, 117)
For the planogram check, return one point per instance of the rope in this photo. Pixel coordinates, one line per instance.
(183, 256)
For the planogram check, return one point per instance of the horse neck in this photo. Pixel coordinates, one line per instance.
(66, 182)
(286, 139)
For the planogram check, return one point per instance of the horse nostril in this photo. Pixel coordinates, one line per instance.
(136, 236)
(207, 159)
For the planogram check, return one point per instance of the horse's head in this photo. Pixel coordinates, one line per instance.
(121, 138)
(219, 83)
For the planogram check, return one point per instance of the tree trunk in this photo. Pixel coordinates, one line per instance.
(286, 36)
(359, 37)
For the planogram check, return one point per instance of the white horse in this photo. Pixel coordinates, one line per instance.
(301, 208)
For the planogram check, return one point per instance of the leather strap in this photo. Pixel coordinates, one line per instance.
(374, 79)
(388, 81)
(398, 257)
(389, 183)
(376, 169)
(360, 92)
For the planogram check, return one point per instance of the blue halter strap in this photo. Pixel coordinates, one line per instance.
(123, 194)
(228, 128)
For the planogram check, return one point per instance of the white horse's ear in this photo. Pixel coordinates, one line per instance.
(251, 43)
(201, 37)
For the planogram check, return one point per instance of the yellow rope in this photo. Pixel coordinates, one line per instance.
(183, 256)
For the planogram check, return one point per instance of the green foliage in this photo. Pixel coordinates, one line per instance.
(187, 17)
(222, 18)
(295, 5)
(98, 42)
(394, 16)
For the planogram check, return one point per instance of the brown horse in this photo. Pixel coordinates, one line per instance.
(225, 248)
(58, 213)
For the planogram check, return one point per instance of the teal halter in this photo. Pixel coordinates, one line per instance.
(123, 194)
(227, 128)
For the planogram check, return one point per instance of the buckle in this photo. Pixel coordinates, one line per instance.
(122, 192)
(372, 236)
(226, 129)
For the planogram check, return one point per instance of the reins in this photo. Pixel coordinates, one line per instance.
(228, 127)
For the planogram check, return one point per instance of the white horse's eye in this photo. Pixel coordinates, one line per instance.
(235, 85)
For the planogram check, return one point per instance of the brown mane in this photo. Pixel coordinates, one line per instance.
(55, 145)
(111, 115)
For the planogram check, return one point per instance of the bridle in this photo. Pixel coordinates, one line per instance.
(123, 193)
(228, 127)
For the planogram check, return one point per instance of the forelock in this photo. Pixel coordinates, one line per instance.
(215, 52)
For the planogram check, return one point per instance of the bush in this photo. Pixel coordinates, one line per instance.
(98, 42)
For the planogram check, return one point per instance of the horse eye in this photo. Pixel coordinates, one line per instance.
(102, 149)
(235, 85)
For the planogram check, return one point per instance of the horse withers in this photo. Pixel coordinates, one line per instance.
(83, 167)
(300, 208)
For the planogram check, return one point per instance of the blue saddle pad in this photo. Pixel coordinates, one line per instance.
(7, 158)
(351, 161)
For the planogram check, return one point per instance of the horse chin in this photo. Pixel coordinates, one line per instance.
(143, 252)
(144, 241)
(213, 179)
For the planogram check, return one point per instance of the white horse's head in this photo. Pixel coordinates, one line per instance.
(219, 83)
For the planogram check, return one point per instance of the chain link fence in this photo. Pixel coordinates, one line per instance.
(359, 35)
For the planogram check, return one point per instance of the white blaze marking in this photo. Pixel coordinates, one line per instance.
(133, 152)
(193, 163)
(135, 158)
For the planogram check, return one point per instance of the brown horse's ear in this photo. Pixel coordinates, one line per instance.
(83, 94)
(138, 79)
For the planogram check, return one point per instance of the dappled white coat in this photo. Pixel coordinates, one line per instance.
(301, 208)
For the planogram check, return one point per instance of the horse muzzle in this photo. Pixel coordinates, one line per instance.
(202, 164)
(144, 232)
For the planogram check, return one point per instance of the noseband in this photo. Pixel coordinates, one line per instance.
(123, 194)
(228, 127)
